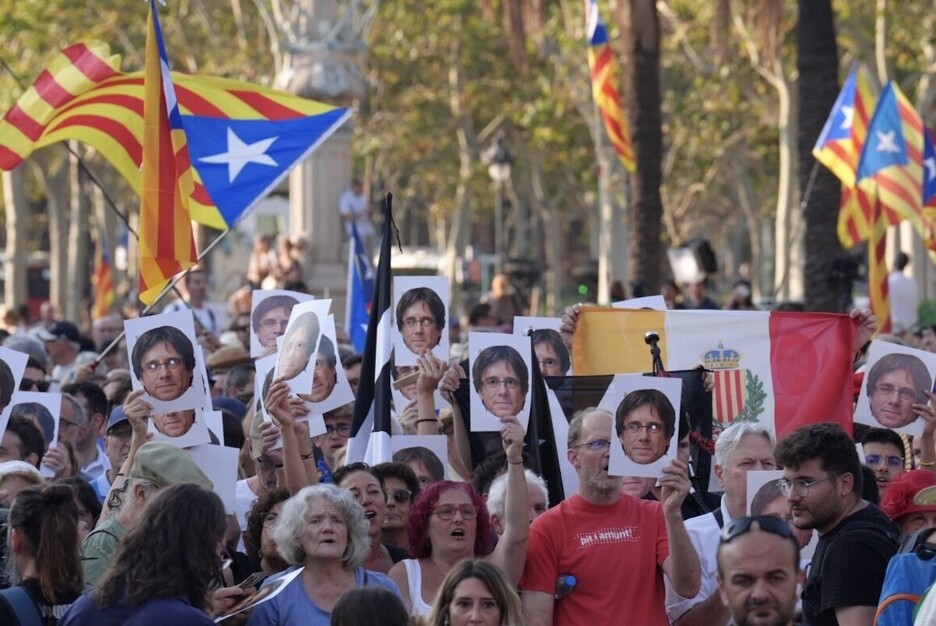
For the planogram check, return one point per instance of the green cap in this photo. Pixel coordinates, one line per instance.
(167, 465)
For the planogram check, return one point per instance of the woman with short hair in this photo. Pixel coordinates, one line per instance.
(322, 530)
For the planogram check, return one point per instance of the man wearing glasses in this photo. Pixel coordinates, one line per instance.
(884, 454)
(742, 447)
(420, 318)
(502, 380)
(822, 484)
(758, 571)
(895, 383)
(645, 422)
(599, 550)
(164, 362)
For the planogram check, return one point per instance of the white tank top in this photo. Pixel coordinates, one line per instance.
(414, 580)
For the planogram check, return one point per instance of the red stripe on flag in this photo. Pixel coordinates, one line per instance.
(24, 122)
(132, 103)
(8, 159)
(200, 195)
(110, 127)
(89, 64)
(270, 109)
(50, 91)
(196, 104)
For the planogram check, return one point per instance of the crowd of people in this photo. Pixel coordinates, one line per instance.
(111, 526)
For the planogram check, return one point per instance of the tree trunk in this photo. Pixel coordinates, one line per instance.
(16, 212)
(77, 268)
(55, 186)
(827, 287)
(788, 265)
(642, 93)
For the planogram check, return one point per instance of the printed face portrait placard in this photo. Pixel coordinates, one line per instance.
(420, 318)
(270, 313)
(895, 380)
(645, 427)
(499, 379)
(551, 353)
(12, 366)
(165, 363)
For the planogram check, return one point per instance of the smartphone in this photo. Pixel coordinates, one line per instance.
(252, 581)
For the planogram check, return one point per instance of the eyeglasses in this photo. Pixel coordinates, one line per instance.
(635, 427)
(64, 423)
(493, 382)
(271, 323)
(447, 511)
(27, 384)
(269, 518)
(171, 363)
(904, 393)
(767, 523)
(595, 445)
(422, 322)
(400, 496)
(342, 429)
(892, 460)
(800, 486)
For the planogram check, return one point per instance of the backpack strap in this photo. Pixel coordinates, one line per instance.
(21, 603)
(897, 597)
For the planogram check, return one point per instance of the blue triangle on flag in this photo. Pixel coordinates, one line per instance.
(885, 145)
(240, 161)
(839, 123)
(929, 167)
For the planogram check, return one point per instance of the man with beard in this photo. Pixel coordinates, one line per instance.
(579, 538)
(822, 484)
(758, 570)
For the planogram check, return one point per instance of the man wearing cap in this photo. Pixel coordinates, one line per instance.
(758, 571)
(62, 342)
(220, 362)
(152, 466)
(911, 501)
(117, 448)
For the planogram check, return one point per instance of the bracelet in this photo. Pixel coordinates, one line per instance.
(306, 457)
(509, 462)
(434, 421)
(927, 463)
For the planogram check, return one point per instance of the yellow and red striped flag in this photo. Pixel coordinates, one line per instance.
(843, 136)
(102, 280)
(892, 160)
(167, 246)
(878, 289)
(603, 68)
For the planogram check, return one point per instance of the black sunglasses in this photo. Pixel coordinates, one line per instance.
(27, 384)
(400, 496)
(767, 523)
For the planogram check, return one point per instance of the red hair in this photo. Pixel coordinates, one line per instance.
(418, 525)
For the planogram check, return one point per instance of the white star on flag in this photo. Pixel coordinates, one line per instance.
(887, 142)
(239, 154)
(848, 115)
(930, 168)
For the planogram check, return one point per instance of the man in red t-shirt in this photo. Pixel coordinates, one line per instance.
(615, 546)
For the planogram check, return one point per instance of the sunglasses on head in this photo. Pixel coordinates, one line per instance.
(767, 523)
(27, 384)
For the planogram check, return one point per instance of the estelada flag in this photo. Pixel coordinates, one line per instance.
(796, 367)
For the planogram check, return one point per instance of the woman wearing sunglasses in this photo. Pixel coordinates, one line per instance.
(402, 489)
(449, 522)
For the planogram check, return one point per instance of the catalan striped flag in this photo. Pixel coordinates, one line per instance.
(167, 246)
(840, 142)
(603, 68)
(102, 280)
(235, 129)
(878, 289)
(892, 159)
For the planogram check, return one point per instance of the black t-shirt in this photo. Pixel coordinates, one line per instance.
(49, 612)
(849, 565)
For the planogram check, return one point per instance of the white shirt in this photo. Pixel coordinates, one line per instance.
(98, 466)
(350, 203)
(904, 299)
(704, 533)
(205, 316)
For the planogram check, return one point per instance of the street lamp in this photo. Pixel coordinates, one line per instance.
(498, 159)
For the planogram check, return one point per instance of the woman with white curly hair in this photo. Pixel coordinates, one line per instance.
(321, 529)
